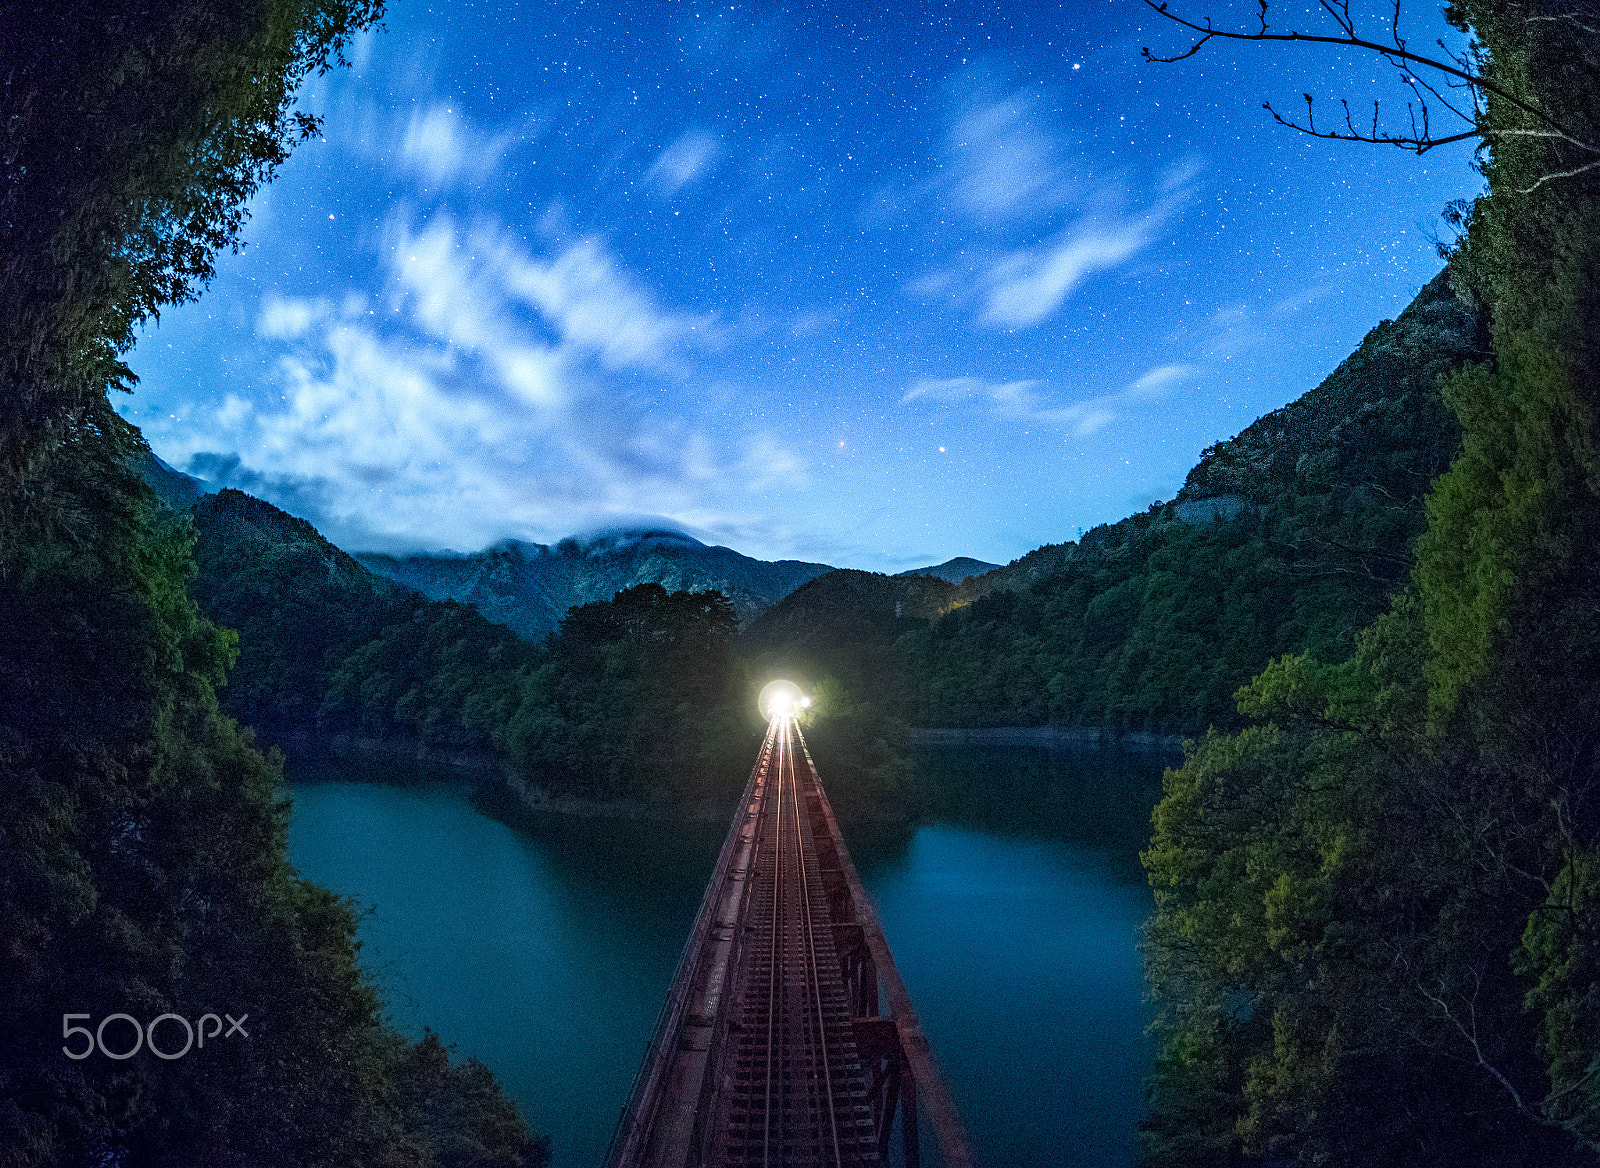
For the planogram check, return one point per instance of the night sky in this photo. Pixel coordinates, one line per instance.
(876, 285)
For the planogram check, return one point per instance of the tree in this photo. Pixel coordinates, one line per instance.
(1376, 909)
(639, 697)
(134, 133)
(142, 866)
(1463, 83)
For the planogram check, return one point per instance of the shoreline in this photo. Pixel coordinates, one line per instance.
(494, 775)
(501, 783)
(1050, 737)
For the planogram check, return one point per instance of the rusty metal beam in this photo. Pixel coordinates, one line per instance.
(935, 1097)
(657, 1123)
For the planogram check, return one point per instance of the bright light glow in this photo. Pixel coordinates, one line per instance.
(781, 698)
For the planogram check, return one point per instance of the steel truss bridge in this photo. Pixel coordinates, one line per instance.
(787, 1037)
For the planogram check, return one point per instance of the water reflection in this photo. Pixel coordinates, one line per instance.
(543, 944)
(1093, 798)
(545, 954)
(1013, 909)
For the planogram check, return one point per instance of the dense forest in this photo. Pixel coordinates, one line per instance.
(1376, 933)
(839, 637)
(638, 697)
(142, 867)
(326, 647)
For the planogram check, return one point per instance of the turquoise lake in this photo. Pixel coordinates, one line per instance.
(1012, 905)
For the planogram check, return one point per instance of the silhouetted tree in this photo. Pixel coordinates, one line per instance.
(1481, 99)
(142, 865)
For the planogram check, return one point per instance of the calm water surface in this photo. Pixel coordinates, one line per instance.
(1012, 908)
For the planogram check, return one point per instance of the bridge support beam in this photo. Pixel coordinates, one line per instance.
(786, 933)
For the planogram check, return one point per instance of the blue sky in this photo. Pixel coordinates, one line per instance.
(875, 285)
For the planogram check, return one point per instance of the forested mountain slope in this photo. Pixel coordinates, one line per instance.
(838, 637)
(831, 607)
(637, 696)
(1377, 935)
(955, 571)
(327, 646)
(1291, 536)
(143, 872)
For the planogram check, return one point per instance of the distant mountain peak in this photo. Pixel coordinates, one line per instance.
(530, 586)
(620, 540)
(954, 571)
(175, 489)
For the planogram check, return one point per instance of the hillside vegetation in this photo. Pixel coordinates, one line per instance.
(1376, 932)
(838, 637)
(142, 832)
(327, 647)
(638, 696)
(1290, 537)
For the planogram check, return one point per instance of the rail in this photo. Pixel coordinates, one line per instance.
(787, 1036)
(623, 1148)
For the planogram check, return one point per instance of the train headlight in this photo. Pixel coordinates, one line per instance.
(779, 699)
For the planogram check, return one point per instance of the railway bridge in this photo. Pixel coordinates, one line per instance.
(787, 1038)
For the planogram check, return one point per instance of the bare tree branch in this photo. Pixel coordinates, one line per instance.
(1468, 1030)
(1560, 174)
(1460, 69)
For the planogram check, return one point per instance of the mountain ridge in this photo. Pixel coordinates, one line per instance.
(528, 587)
(525, 586)
(1391, 372)
(953, 571)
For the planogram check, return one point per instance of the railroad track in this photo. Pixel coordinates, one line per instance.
(799, 1088)
(787, 1039)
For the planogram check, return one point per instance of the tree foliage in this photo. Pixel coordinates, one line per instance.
(1375, 927)
(639, 696)
(326, 647)
(142, 865)
(840, 637)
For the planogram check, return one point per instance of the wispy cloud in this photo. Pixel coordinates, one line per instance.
(960, 389)
(468, 286)
(287, 317)
(1026, 400)
(442, 145)
(1021, 287)
(476, 402)
(587, 297)
(1014, 399)
(1154, 383)
(1026, 286)
(690, 156)
(1006, 169)
(1003, 163)
(1000, 165)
